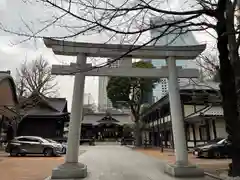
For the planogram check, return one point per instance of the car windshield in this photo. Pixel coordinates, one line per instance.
(221, 142)
(51, 141)
(42, 140)
(30, 138)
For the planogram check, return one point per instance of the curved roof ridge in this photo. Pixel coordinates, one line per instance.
(5, 75)
(40, 97)
(45, 100)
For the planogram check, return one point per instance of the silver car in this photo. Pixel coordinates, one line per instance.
(64, 145)
(23, 145)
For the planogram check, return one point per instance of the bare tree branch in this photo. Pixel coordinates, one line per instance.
(36, 76)
(209, 63)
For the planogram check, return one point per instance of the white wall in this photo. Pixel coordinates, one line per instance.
(221, 128)
(189, 109)
(211, 129)
(197, 133)
(200, 107)
(190, 144)
(190, 132)
(220, 125)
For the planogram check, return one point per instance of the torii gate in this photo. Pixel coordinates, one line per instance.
(72, 168)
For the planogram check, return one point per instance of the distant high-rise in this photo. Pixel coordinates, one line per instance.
(174, 38)
(88, 98)
(103, 102)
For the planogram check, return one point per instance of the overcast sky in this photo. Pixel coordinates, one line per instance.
(12, 12)
(11, 56)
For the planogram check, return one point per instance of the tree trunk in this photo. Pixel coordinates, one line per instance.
(228, 89)
(138, 135)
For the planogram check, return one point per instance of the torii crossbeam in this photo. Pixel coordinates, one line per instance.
(72, 168)
(122, 71)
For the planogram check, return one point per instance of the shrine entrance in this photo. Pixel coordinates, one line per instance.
(72, 168)
(108, 128)
(109, 132)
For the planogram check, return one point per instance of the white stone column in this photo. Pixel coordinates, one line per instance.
(76, 114)
(72, 169)
(181, 168)
(176, 114)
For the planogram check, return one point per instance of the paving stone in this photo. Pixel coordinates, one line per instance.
(105, 162)
(28, 168)
(122, 163)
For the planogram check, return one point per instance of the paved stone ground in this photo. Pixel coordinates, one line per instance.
(122, 163)
(213, 166)
(105, 162)
(28, 168)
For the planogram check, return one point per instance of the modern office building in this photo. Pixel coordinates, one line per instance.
(103, 102)
(88, 98)
(175, 38)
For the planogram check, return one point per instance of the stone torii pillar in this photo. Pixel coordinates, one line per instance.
(181, 168)
(176, 114)
(72, 169)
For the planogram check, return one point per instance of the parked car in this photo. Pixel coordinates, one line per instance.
(89, 140)
(127, 141)
(213, 141)
(64, 148)
(64, 145)
(215, 150)
(24, 145)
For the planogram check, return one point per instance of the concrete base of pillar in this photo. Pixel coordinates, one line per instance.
(225, 176)
(69, 171)
(183, 171)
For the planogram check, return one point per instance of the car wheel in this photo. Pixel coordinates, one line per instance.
(14, 152)
(64, 150)
(217, 155)
(48, 152)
